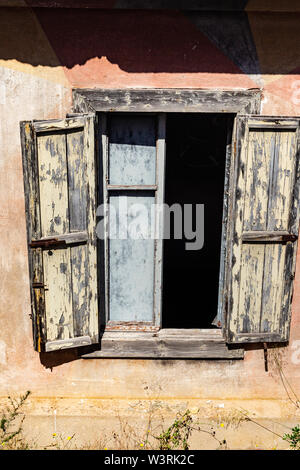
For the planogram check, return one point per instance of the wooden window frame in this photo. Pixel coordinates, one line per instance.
(166, 343)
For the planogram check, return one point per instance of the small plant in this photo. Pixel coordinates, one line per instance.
(177, 435)
(294, 438)
(60, 442)
(10, 427)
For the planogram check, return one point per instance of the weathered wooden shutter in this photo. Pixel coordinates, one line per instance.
(59, 181)
(263, 230)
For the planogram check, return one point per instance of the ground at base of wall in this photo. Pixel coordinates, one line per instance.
(86, 423)
(93, 433)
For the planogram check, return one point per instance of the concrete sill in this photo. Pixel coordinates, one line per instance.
(166, 343)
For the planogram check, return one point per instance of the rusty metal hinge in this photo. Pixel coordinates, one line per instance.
(290, 237)
(39, 285)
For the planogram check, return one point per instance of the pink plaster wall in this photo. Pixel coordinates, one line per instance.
(43, 55)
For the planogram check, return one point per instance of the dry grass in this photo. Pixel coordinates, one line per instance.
(157, 430)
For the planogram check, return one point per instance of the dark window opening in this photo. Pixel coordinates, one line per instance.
(195, 171)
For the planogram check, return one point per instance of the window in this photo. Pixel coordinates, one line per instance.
(242, 282)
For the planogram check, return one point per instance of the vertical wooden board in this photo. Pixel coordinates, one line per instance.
(287, 293)
(38, 297)
(77, 168)
(53, 183)
(219, 319)
(282, 181)
(80, 290)
(58, 294)
(91, 251)
(272, 292)
(53, 177)
(260, 153)
(159, 216)
(104, 318)
(250, 301)
(238, 182)
(31, 181)
(33, 225)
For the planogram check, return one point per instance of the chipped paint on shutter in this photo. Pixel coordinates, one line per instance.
(54, 207)
(265, 214)
(32, 201)
(65, 200)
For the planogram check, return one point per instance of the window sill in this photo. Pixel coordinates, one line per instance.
(167, 343)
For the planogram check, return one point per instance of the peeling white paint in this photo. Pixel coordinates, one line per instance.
(262, 103)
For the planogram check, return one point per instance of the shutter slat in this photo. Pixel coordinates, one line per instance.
(77, 166)
(91, 319)
(257, 172)
(282, 179)
(53, 183)
(33, 226)
(58, 294)
(272, 292)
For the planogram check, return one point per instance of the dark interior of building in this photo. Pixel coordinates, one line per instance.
(195, 171)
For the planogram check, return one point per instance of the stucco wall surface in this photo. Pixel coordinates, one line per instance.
(43, 55)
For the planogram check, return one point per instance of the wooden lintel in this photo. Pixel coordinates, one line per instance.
(168, 100)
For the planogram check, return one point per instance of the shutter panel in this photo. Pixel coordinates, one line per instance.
(264, 229)
(59, 182)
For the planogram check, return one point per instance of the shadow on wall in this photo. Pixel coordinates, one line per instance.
(56, 358)
(153, 41)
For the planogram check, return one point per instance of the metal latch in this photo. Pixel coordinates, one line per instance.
(73, 238)
(268, 236)
(49, 243)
